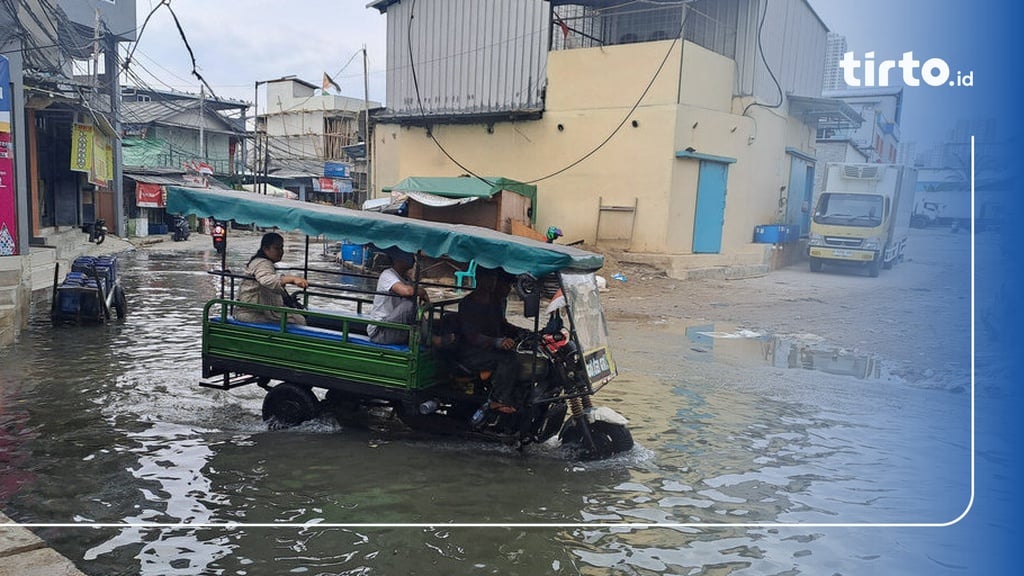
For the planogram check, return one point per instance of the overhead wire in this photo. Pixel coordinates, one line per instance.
(573, 164)
(760, 49)
(195, 71)
(138, 38)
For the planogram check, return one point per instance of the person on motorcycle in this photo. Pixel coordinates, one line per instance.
(265, 285)
(487, 338)
(394, 301)
(219, 234)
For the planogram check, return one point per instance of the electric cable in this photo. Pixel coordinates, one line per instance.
(128, 59)
(760, 49)
(639, 100)
(195, 72)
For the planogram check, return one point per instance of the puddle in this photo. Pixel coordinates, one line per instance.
(741, 347)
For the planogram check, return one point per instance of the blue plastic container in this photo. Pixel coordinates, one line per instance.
(108, 262)
(74, 278)
(773, 234)
(68, 301)
(352, 253)
(83, 264)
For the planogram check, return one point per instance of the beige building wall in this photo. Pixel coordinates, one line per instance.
(590, 93)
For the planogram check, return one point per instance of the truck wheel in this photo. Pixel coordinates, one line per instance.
(918, 222)
(289, 404)
(344, 407)
(875, 267)
(815, 264)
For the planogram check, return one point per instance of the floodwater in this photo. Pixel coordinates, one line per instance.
(107, 424)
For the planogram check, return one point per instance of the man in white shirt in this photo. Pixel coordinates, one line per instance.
(395, 300)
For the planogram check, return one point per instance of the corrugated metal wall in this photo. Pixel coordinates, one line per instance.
(470, 56)
(793, 40)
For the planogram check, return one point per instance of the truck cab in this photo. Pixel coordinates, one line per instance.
(863, 216)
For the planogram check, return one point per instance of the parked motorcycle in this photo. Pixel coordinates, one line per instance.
(220, 237)
(180, 228)
(97, 231)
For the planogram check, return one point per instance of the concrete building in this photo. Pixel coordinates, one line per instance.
(875, 139)
(835, 47)
(882, 110)
(308, 141)
(176, 138)
(60, 156)
(655, 128)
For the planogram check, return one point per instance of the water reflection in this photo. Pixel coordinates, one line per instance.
(805, 351)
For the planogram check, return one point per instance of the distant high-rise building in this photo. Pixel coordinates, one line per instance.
(835, 47)
(906, 153)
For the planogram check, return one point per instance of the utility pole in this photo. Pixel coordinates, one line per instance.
(96, 54)
(255, 136)
(202, 122)
(366, 123)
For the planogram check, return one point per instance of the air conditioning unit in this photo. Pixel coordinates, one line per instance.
(862, 171)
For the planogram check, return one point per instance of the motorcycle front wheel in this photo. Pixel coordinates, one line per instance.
(609, 439)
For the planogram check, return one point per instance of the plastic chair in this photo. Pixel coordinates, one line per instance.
(470, 273)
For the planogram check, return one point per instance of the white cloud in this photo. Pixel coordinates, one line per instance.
(238, 43)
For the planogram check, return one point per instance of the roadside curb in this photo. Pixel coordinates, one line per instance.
(22, 553)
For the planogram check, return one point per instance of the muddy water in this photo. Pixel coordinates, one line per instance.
(106, 424)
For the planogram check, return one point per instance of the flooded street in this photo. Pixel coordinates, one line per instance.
(753, 450)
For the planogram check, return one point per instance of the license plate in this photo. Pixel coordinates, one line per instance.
(840, 253)
(597, 365)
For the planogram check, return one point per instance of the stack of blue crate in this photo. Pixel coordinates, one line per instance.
(79, 295)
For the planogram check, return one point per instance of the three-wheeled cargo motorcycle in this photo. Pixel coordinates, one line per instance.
(563, 359)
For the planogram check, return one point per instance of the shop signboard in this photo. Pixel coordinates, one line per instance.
(8, 215)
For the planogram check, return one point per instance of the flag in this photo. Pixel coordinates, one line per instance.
(328, 83)
(565, 27)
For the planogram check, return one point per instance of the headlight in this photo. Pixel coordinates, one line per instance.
(872, 243)
(815, 240)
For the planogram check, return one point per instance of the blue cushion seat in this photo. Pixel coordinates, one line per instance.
(321, 333)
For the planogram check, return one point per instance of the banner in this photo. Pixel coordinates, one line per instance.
(333, 185)
(82, 147)
(102, 170)
(149, 195)
(8, 215)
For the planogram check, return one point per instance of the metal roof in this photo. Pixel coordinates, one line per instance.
(824, 112)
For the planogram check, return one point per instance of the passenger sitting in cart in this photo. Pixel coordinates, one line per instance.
(486, 338)
(266, 286)
(395, 300)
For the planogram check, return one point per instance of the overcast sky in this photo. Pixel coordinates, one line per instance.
(237, 43)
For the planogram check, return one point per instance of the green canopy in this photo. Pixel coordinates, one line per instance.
(462, 243)
(466, 187)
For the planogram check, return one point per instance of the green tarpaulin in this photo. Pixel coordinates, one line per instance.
(466, 187)
(462, 243)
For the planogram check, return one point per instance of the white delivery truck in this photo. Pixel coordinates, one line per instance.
(863, 216)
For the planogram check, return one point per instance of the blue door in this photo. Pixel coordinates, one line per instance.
(801, 192)
(805, 220)
(710, 213)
